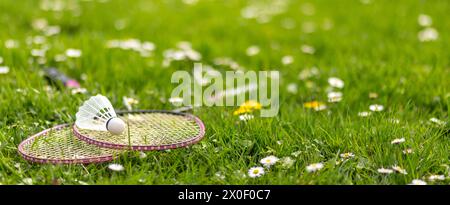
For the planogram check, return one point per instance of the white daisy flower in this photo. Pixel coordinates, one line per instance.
(246, 117)
(287, 162)
(255, 172)
(399, 169)
(308, 49)
(116, 167)
(364, 114)
(287, 60)
(424, 20)
(437, 121)
(78, 91)
(428, 34)
(292, 88)
(252, 50)
(385, 171)
(336, 82)
(4, 69)
(408, 151)
(376, 108)
(334, 96)
(314, 167)
(269, 161)
(398, 140)
(73, 53)
(436, 178)
(347, 155)
(418, 182)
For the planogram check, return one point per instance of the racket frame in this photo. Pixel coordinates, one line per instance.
(43, 133)
(147, 147)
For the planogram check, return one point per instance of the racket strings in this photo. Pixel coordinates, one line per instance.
(151, 129)
(62, 145)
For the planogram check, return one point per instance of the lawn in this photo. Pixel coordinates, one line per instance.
(393, 54)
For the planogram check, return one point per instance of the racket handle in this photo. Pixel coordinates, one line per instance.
(56, 77)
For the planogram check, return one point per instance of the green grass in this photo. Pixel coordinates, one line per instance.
(373, 48)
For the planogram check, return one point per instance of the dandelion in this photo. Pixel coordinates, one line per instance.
(248, 107)
(314, 167)
(129, 102)
(398, 140)
(116, 167)
(336, 82)
(255, 172)
(424, 20)
(307, 49)
(252, 51)
(287, 162)
(399, 170)
(287, 60)
(334, 96)
(347, 155)
(433, 120)
(292, 88)
(269, 161)
(4, 69)
(364, 114)
(316, 105)
(246, 117)
(376, 108)
(385, 171)
(73, 53)
(436, 178)
(428, 34)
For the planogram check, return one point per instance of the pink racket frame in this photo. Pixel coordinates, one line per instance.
(146, 147)
(58, 161)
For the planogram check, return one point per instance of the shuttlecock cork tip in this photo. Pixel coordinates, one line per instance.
(115, 126)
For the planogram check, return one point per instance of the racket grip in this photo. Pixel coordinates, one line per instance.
(54, 76)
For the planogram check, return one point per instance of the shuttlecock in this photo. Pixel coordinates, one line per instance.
(98, 114)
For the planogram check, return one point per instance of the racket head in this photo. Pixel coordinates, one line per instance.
(58, 145)
(148, 130)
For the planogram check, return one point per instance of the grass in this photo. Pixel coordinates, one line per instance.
(373, 48)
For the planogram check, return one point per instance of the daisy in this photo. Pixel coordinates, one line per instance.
(407, 151)
(287, 60)
(246, 117)
(334, 96)
(336, 82)
(314, 167)
(252, 51)
(399, 170)
(385, 171)
(418, 182)
(116, 167)
(347, 155)
(437, 121)
(255, 172)
(308, 49)
(428, 34)
(287, 162)
(364, 114)
(398, 140)
(269, 161)
(436, 178)
(73, 53)
(424, 20)
(376, 108)
(292, 88)
(4, 69)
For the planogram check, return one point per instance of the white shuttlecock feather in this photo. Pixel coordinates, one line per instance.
(97, 113)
